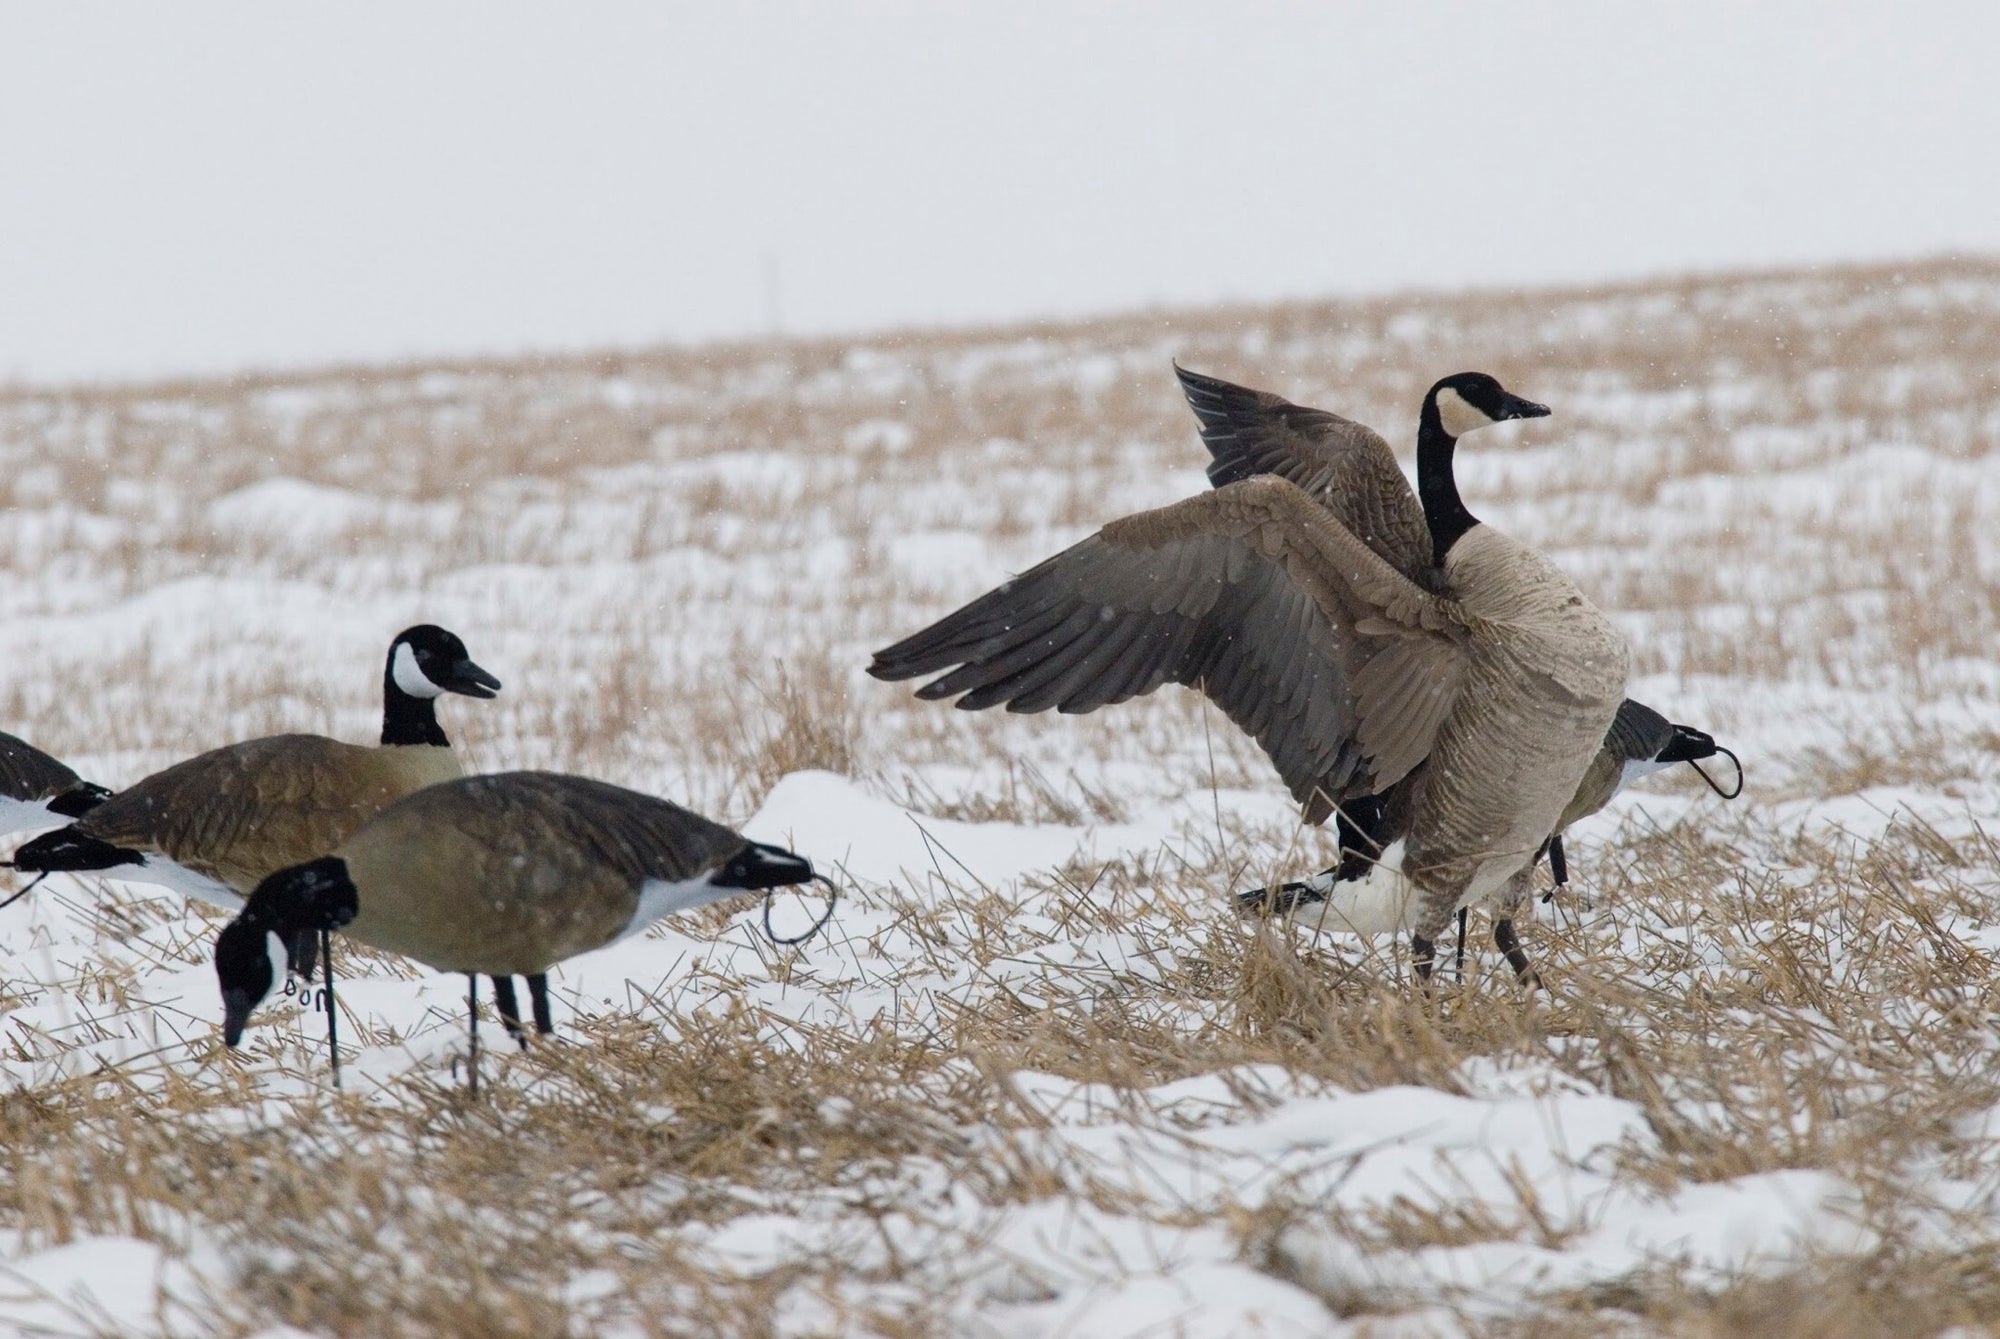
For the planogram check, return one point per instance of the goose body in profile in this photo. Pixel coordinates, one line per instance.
(504, 874)
(37, 790)
(1366, 893)
(213, 826)
(1360, 633)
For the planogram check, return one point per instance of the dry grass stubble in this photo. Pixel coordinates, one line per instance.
(1771, 992)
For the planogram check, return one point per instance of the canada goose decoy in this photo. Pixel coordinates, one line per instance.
(1365, 893)
(1352, 655)
(506, 875)
(36, 790)
(1641, 742)
(212, 827)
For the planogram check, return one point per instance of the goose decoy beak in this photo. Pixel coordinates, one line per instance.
(1515, 407)
(469, 680)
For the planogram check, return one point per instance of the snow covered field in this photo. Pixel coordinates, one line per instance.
(1039, 1078)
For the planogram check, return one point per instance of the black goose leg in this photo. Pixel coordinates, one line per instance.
(472, 1016)
(509, 1006)
(538, 995)
(332, 1013)
(1423, 954)
(1462, 912)
(1509, 943)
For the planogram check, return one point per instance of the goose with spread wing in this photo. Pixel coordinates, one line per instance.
(1361, 634)
(1350, 470)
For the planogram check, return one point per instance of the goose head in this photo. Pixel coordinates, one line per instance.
(254, 951)
(1461, 403)
(1468, 401)
(427, 661)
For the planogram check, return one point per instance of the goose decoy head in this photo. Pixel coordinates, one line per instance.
(427, 661)
(1468, 401)
(253, 951)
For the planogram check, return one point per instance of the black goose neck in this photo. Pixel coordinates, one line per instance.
(1437, 485)
(407, 719)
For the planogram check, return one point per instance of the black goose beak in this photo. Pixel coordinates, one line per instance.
(1689, 745)
(1515, 407)
(470, 680)
(236, 1007)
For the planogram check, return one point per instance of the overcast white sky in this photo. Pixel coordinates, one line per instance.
(207, 186)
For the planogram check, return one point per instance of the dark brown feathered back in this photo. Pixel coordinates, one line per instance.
(509, 873)
(631, 834)
(240, 813)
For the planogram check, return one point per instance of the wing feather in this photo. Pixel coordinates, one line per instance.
(1336, 663)
(1344, 466)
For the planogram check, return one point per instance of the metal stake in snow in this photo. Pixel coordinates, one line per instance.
(25, 891)
(326, 998)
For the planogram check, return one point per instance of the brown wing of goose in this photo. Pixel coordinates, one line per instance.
(1345, 466)
(1338, 665)
(633, 835)
(507, 874)
(27, 773)
(242, 812)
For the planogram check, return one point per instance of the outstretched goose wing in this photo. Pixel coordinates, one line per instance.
(1338, 665)
(1345, 466)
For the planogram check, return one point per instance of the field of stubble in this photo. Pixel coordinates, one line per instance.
(1039, 1078)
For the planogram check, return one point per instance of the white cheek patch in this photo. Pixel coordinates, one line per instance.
(281, 961)
(1458, 415)
(408, 677)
